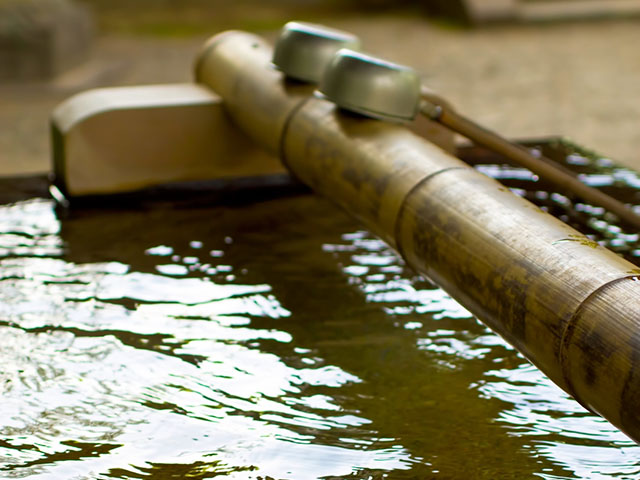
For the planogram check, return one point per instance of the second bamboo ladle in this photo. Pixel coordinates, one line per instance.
(388, 91)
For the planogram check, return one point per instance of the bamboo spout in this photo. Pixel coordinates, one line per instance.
(570, 306)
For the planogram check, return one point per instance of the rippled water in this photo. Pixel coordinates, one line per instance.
(272, 340)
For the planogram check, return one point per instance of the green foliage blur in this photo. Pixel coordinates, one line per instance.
(185, 17)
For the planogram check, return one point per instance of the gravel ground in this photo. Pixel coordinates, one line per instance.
(579, 80)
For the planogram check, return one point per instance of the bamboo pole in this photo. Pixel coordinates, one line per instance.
(570, 306)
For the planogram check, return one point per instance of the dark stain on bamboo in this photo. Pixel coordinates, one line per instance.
(630, 402)
(568, 338)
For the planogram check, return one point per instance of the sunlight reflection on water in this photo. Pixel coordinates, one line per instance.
(171, 380)
(189, 361)
(534, 406)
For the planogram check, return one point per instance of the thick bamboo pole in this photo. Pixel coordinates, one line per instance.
(570, 306)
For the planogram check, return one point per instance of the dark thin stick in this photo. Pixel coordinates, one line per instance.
(542, 166)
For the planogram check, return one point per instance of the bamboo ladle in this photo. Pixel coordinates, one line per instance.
(389, 91)
(303, 50)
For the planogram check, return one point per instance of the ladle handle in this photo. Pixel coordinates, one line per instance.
(541, 166)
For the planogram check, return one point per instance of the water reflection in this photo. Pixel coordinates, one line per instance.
(583, 444)
(271, 341)
(108, 367)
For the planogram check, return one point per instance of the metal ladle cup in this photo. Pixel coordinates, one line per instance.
(303, 50)
(371, 86)
(388, 91)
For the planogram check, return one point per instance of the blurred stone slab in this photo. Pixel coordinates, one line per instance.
(40, 39)
(487, 11)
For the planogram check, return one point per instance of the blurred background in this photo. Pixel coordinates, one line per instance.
(525, 68)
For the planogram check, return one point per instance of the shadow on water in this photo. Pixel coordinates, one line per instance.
(275, 339)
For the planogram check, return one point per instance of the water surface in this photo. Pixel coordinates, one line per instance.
(274, 340)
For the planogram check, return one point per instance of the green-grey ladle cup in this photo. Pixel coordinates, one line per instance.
(388, 91)
(371, 86)
(303, 50)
